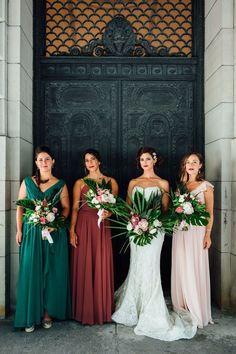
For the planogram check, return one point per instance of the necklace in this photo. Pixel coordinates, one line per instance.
(43, 181)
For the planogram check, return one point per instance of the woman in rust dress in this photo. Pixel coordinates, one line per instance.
(91, 258)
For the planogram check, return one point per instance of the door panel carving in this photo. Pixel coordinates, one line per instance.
(79, 115)
(157, 114)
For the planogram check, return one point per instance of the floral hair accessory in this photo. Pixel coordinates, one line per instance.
(154, 155)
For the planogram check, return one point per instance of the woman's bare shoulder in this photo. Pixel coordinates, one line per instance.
(79, 183)
(163, 183)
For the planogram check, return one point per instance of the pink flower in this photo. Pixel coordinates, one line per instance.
(143, 225)
(99, 191)
(99, 198)
(179, 210)
(54, 210)
(135, 220)
(42, 220)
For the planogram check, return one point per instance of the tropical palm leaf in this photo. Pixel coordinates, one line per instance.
(26, 203)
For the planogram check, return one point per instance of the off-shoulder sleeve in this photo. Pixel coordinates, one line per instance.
(208, 184)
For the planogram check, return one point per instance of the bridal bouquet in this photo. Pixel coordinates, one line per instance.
(144, 220)
(187, 210)
(100, 197)
(43, 213)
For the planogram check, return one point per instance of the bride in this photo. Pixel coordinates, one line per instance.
(140, 301)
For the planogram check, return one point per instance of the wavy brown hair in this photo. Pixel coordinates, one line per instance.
(184, 177)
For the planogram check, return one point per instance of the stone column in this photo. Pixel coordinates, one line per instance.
(233, 162)
(16, 73)
(219, 133)
(4, 171)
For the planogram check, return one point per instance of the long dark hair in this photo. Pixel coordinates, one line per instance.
(93, 152)
(184, 177)
(147, 150)
(38, 150)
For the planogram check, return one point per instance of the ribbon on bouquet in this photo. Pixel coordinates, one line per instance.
(99, 214)
(46, 235)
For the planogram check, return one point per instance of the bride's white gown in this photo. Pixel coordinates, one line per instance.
(140, 301)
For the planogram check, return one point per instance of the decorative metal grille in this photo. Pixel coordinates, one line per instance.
(161, 27)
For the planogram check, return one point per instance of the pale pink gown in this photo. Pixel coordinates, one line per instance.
(190, 276)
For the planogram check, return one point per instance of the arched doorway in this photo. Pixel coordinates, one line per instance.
(117, 75)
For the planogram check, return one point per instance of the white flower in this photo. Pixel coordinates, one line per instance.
(157, 223)
(183, 226)
(181, 198)
(38, 207)
(50, 217)
(95, 201)
(188, 209)
(108, 198)
(112, 199)
(90, 193)
(153, 231)
(129, 226)
(138, 231)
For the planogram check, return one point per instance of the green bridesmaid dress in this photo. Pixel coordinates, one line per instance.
(43, 282)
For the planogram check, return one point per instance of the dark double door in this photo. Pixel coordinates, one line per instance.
(116, 106)
(117, 115)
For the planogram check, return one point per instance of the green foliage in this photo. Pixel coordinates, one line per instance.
(43, 213)
(26, 203)
(93, 184)
(117, 207)
(196, 215)
(142, 221)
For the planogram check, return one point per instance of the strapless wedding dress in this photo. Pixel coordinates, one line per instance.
(140, 301)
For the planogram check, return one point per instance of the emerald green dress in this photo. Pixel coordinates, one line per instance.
(43, 282)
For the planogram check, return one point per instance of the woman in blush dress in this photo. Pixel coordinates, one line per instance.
(140, 301)
(190, 279)
(91, 254)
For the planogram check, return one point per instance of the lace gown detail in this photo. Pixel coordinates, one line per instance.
(140, 301)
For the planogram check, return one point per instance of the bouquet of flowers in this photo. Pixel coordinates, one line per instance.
(187, 210)
(43, 213)
(144, 221)
(100, 197)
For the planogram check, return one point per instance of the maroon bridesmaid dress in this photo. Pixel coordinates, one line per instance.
(92, 268)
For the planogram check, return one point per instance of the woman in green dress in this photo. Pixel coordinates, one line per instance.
(43, 284)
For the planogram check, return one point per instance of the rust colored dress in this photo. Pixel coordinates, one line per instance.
(92, 268)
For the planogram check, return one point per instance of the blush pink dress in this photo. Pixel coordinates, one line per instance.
(190, 276)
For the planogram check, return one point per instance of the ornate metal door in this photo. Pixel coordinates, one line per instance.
(116, 94)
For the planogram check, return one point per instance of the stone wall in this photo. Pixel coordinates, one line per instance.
(219, 140)
(16, 73)
(4, 172)
(233, 162)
